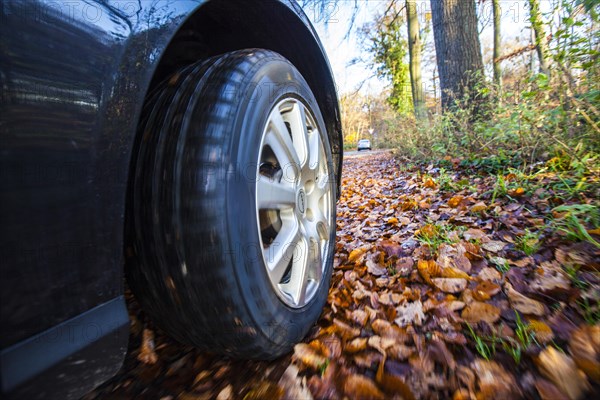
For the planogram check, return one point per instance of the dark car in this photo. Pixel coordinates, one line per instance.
(190, 148)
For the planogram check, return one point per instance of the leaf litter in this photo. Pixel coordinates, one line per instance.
(433, 296)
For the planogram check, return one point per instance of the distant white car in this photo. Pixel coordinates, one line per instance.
(364, 144)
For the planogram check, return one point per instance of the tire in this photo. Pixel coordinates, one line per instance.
(232, 206)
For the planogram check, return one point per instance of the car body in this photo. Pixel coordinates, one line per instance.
(74, 79)
(364, 144)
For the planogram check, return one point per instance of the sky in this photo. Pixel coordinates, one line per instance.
(333, 20)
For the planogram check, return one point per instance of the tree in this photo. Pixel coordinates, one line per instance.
(540, 36)
(497, 43)
(414, 51)
(459, 59)
(389, 50)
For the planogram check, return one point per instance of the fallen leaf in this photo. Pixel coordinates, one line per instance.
(309, 356)
(450, 272)
(585, 349)
(562, 371)
(265, 390)
(361, 387)
(355, 254)
(356, 345)
(493, 246)
(345, 330)
(455, 201)
(522, 303)
(478, 207)
(474, 234)
(548, 391)
(490, 274)
(478, 311)
(543, 333)
(226, 393)
(293, 386)
(410, 313)
(494, 381)
(485, 290)
(147, 354)
(375, 269)
(450, 285)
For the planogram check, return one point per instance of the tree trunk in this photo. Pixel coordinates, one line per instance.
(458, 51)
(540, 36)
(497, 43)
(414, 50)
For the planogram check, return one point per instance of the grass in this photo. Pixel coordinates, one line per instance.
(589, 312)
(575, 280)
(514, 347)
(434, 235)
(529, 243)
(572, 219)
(486, 351)
(501, 264)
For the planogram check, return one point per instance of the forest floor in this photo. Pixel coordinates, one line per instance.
(447, 284)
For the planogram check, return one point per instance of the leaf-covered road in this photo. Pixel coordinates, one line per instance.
(444, 287)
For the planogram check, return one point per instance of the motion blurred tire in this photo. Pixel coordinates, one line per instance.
(231, 212)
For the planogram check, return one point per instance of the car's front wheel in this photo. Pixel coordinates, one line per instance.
(231, 216)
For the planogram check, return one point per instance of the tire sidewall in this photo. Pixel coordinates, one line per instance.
(271, 82)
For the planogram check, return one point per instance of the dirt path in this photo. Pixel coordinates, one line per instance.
(435, 294)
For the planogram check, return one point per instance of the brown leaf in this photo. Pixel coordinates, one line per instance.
(344, 330)
(490, 274)
(375, 269)
(356, 345)
(392, 384)
(265, 390)
(293, 386)
(361, 387)
(548, 391)
(404, 266)
(410, 313)
(494, 381)
(309, 356)
(493, 246)
(355, 254)
(474, 234)
(455, 201)
(485, 290)
(585, 348)
(450, 272)
(147, 354)
(427, 269)
(478, 207)
(438, 352)
(450, 285)
(522, 303)
(561, 370)
(543, 333)
(478, 311)
(400, 352)
(359, 316)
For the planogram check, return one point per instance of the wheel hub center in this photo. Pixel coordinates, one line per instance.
(301, 201)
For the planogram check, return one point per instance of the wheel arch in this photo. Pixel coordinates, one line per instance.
(218, 26)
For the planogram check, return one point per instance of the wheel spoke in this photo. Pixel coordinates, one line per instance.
(314, 150)
(279, 254)
(274, 195)
(279, 140)
(316, 265)
(296, 287)
(297, 120)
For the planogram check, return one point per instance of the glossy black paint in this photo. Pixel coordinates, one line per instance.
(73, 77)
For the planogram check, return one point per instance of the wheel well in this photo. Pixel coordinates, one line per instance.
(221, 26)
